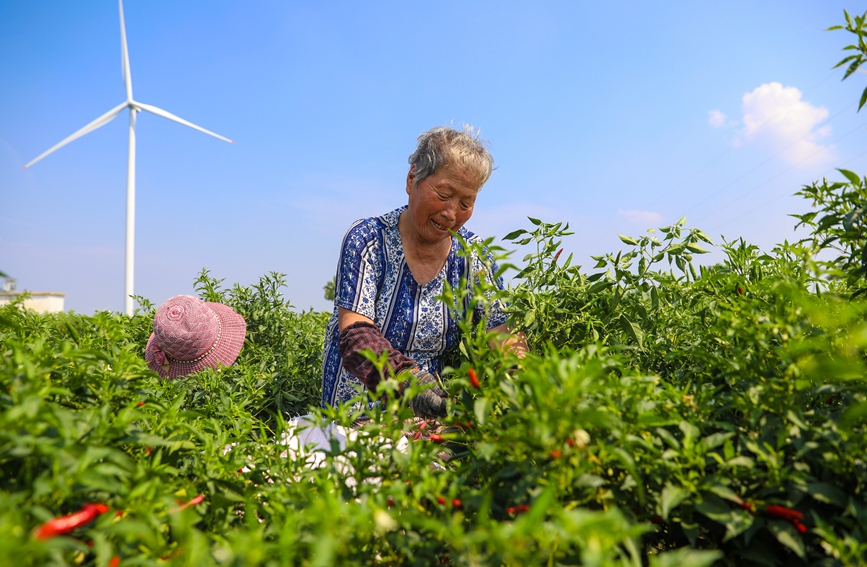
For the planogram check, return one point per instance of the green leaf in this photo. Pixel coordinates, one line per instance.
(787, 535)
(632, 330)
(676, 248)
(724, 491)
(827, 493)
(794, 418)
(714, 508)
(671, 498)
(690, 433)
(851, 176)
(599, 286)
(628, 240)
(739, 522)
(480, 409)
(735, 521)
(670, 439)
(741, 461)
(703, 237)
(629, 464)
(515, 234)
(685, 557)
(537, 222)
(539, 507)
(682, 221)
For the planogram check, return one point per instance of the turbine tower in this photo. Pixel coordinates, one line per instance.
(134, 107)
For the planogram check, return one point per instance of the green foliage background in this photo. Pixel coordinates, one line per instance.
(668, 414)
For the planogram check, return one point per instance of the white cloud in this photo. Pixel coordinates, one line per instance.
(716, 118)
(640, 216)
(775, 117)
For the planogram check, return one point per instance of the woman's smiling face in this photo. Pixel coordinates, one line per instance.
(440, 203)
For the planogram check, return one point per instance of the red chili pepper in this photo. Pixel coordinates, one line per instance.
(474, 380)
(422, 425)
(748, 506)
(390, 501)
(783, 512)
(115, 561)
(556, 454)
(510, 510)
(457, 503)
(119, 513)
(570, 442)
(441, 500)
(194, 502)
(656, 520)
(436, 438)
(464, 424)
(175, 553)
(522, 508)
(792, 516)
(557, 255)
(64, 524)
(740, 290)
(140, 404)
(800, 527)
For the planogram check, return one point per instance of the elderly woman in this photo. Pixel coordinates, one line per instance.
(393, 267)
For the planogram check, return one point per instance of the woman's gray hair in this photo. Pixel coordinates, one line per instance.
(446, 146)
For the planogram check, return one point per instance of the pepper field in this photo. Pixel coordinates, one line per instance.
(669, 415)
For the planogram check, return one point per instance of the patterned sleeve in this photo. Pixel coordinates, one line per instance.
(486, 267)
(360, 268)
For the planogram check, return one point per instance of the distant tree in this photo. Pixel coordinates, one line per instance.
(329, 289)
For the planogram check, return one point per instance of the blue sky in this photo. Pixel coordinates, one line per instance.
(612, 117)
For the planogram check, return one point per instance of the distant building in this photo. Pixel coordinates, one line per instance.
(39, 301)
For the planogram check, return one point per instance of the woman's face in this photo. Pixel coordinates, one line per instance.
(440, 203)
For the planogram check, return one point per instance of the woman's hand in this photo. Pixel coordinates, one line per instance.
(432, 402)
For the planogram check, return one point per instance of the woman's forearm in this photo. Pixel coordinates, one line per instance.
(509, 341)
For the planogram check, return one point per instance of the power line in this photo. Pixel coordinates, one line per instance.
(727, 150)
(744, 194)
(723, 188)
(778, 197)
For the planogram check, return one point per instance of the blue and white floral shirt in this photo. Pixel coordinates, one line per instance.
(374, 280)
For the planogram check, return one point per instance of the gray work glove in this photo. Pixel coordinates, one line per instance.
(432, 402)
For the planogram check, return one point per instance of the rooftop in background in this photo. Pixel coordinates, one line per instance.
(39, 301)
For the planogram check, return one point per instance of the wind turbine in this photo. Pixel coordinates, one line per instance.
(134, 107)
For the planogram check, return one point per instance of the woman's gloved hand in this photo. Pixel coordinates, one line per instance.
(432, 402)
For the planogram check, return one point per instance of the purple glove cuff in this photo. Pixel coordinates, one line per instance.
(360, 336)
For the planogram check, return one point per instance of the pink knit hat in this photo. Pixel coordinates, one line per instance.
(191, 335)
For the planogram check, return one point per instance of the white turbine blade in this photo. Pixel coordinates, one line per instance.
(179, 120)
(101, 121)
(124, 55)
